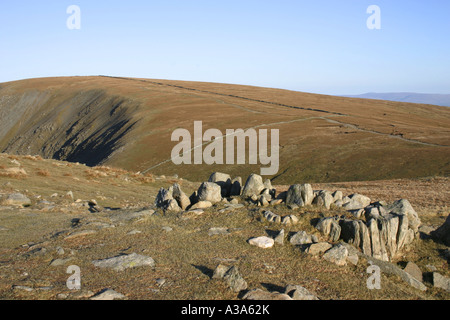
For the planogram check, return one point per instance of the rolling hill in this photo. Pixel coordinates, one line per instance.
(128, 122)
(424, 98)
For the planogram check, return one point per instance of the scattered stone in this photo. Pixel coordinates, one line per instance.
(24, 288)
(182, 199)
(224, 181)
(218, 231)
(317, 248)
(167, 229)
(60, 262)
(300, 238)
(297, 292)
(253, 186)
(300, 195)
(414, 271)
(133, 232)
(439, 281)
(220, 271)
(234, 280)
(108, 294)
(209, 191)
(389, 268)
(259, 294)
(78, 234)
(280, 237)
(338, 255)
(262, 242)
(324, 199)
(201, 205)
(123, 262)
(402, 207)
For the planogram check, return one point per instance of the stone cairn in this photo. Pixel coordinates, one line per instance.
(378, 229)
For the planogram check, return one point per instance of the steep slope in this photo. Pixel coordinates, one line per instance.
(128, 123)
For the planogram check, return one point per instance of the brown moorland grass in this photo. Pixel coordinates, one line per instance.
(127, 123)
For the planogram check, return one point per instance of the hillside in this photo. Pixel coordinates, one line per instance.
(56, 214)
(127, 123)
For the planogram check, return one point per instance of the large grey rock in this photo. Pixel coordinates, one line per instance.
(253, 186)
(356, 201)
(123, 262)
(389, 268)
(224, 181)
(338, 255)
(234, 280)
(329, 227)
(414, 270)
(181, 198)
(317, 248)
(300, 238)
(439, 281)
(300, 195)
(355, 232)
(403, 207)
(210, 191)
(324, 199)
(163, 197)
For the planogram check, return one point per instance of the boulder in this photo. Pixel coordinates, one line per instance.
(224, 181)
(329, 227)
(181, 198)
(324, 199)
(338, 255)
(210, 191)
(356, 201)
(253, 186)
(403, 207)
(123, 262)
(300, 195)
(300, 238)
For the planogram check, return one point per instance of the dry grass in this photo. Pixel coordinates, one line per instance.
(43, 173)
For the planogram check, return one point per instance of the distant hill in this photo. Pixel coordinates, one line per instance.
(423, 98)
(128, 123)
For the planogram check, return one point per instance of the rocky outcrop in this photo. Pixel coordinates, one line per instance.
(386, 233)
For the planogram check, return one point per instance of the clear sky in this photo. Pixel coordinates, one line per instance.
(321, 46)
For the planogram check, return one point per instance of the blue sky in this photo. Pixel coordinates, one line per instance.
(321, 46)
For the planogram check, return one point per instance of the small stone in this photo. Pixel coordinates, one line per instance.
(218, 231)
(123, 262)
(262, 242)
(280, 237)
(108, 294)
(220, 271)
(258, 294)
(414, 271)
(439, 281)
(201, 205)
(317, 248)
(167, 229)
